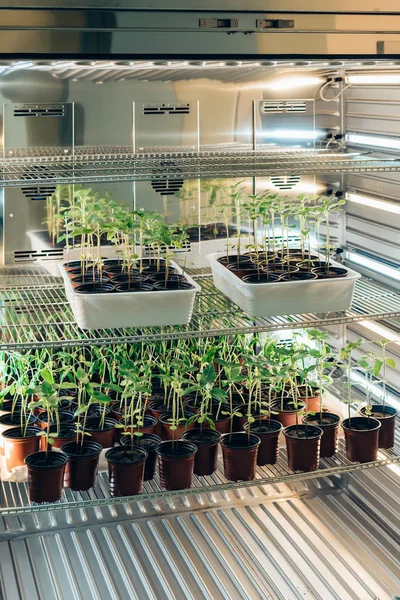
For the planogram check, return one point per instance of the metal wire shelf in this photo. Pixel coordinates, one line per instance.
(103, 167)
(14, 498)
(34, 312)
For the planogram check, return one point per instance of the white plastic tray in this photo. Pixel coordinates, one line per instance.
(131, 309)
(285, 297)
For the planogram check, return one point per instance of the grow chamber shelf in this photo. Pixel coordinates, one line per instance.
(14, 496)
(124, 166)
(34, 312)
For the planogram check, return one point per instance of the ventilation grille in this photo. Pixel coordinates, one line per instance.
(39, 111)
(24, 256)
(284, 107)
(36, 192)
(285, 182)
(167, 187)
(167, 109)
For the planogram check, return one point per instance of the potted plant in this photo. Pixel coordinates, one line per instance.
(287, 280)
(361, 433)
(385, 414)
(46, 471)
(83, 456)
(328, 422)
(126, 465)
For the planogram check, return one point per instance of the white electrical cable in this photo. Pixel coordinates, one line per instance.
(335, 97)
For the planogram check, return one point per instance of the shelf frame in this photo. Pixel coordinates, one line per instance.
(34, 313)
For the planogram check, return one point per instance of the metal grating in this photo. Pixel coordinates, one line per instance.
(325, 545)
(34, 312)
(66, 169)
(15, 499)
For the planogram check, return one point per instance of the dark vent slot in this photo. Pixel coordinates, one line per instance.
(166, 110)
(38, 192)
(285, 182)
(38, 111)
(284, 107)
(167, 187)
(35, 255)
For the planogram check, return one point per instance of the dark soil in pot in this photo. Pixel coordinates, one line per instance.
(362, 438)
(148, 441)
(305, 265)
(299, 276)
(175, 434)
(286, 411)
(283, 271)
(17, 444)
(261, 277)
(176, 464)
(333, 272)
(303, 447)
(135, 277)
(126, 470)
(94, 288)
(83, 461)
(268, 432)
(102, 432)
(234, 259)
(330, 427)
(95, 409)
(9, 406)
(172, 285)
(149, 426)
(64, 417)
(66, 433)
(206, 440)
(45, 476)
(73, 264)
(157, 277)
(135, 286)
(78, 280)
(113, 270)
(387, 418)
(240, 451)
(15, 419)
(242, 270)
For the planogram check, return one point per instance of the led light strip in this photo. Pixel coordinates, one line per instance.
(374, 203)
(374, 265)
(392, 143)
(384, 79)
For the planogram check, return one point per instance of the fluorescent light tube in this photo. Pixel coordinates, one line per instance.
(376, 389)
(383, 79)
(289, 83)
(392, 143)
(293, 134)
(374, 265)
(384, 333)
(374, 203)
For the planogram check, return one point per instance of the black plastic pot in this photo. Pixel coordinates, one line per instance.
(261, 277)
(362, 438)
(332, 273)
(299, 276)
(239, 452)
(95, 288)
(176, 464)
(16, 420)
(303, 447)
(45, 475)
(135, 277)
(330, 427)
(148, 441)
(387, 418)
(126, 470)
(135, 286)
(79, 280)
(234, 259)
(83, 461)
(268, 432)
(157, 277)
(171, 284)
(206, 440)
